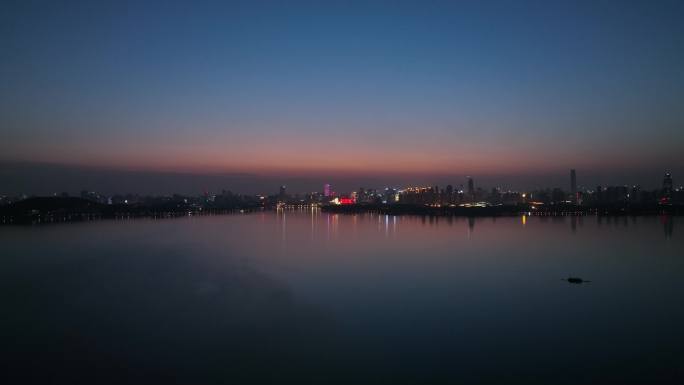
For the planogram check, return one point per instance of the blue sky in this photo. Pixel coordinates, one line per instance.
(340, 88)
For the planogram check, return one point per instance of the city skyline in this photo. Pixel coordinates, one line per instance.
(464, 185)
(48, 179)
(461, 200)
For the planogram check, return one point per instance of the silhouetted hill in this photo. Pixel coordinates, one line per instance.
(62, 209)
(47, 204)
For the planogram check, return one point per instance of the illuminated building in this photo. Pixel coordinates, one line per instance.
(667, 189)
(326, 190)
(667, 184)
(342, 201)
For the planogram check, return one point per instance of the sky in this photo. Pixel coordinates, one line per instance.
(510, 92)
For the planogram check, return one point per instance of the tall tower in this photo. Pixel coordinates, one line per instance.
(282, 191)
(573, 186)
(471, 188)
(667, 185)
(326, 190)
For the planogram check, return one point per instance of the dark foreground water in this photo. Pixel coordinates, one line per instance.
(311, 298)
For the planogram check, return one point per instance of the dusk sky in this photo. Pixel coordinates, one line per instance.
(523, 89)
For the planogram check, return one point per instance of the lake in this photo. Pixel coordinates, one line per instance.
(307, 297)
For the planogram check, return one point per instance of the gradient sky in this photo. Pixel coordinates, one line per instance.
(345, 88)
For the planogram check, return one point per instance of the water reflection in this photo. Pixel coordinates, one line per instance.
(388, 224)
(311, 297)
(114, 321)
(668, 225)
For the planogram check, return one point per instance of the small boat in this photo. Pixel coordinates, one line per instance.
(576, 280)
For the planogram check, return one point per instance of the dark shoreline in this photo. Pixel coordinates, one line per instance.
(60, 210)
(509, 210)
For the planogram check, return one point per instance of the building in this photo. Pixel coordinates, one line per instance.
(326, 190)
(282, 194)
(471, 189)
(667, 184)
(449, 194)
(573, 186)
(666, 196)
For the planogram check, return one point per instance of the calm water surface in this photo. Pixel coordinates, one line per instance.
(314, 298)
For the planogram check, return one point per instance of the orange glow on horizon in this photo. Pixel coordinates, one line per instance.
(352, 156)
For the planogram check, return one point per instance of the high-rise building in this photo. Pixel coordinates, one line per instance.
(326, 190)
(573, 186)
(667, 185)
(449, 193)
(471, 188)
(282, 191)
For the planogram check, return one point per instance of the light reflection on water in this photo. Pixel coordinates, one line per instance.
(306, 296)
